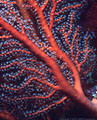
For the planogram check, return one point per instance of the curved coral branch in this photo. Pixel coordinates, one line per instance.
(76, 94)
(63, 84)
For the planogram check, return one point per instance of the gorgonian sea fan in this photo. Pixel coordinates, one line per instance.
(41, 41)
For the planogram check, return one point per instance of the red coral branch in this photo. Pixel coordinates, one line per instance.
(76, 93)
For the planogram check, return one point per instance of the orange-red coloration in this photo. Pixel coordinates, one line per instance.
(76, 92)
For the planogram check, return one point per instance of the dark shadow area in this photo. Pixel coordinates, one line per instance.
(89, 20)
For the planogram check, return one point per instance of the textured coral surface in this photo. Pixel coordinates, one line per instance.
(42, 37)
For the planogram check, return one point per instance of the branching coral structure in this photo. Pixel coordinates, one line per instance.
(45, 58)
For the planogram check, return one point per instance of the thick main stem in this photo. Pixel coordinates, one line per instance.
(59, 53)
(22, 9)
(64, 86)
